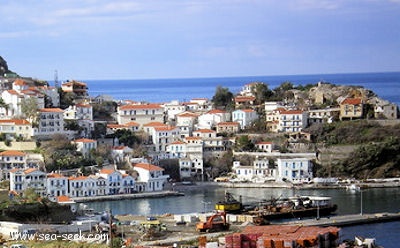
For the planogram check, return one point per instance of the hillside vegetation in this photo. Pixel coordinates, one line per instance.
(374, 149)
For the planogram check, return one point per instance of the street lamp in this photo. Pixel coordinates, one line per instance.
(361, 203)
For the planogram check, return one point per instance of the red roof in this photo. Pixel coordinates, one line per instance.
(107, 171)
(352, 101)
(264, 143)
(16, 121)
(116, 126)
(204, 131)
(51, 110)
(216, 111)
(292, 112)
(140, 106)
(165, 128)
(83, 140)
(12, 153)
(148, 167)
(155, 124)
(228, 124)
(54, 175)
(187, 114)
(244, 98)
(132, 124)
(19, 82)
(77, 178)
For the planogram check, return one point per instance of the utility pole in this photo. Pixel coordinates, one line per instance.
(110, 234)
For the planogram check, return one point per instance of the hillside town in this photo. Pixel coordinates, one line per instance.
(188, 134)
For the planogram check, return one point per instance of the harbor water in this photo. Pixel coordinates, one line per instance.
(202, 199)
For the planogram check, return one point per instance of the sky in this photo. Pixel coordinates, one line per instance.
(142, 39)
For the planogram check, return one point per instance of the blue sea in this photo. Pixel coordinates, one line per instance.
(386, 85)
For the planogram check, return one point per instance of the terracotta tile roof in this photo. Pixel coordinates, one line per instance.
(244, 98)
(292, 112)
(204, 131)
(73, 178)
(16, 121)
(264, 143)
(30, 170)
(74, 83)
(178, 142)
(155, 124)
(84, 140)
(14, 170)
(51, 110)
(166, 128)
(83, 105)
(140, 106)
(148, 167)
(216, 111)
(12, 153)
(107, 171)
(187, 114)
(228, 124)
(248, 110)
(19, 82)
(13, 92)
(352, 101)
(115, 126)
(193, 138)
(132, 124)
(55, 175)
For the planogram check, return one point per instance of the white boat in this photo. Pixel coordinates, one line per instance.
(353, 187)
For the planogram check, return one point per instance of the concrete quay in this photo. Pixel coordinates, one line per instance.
(154, 194)
(345, 220)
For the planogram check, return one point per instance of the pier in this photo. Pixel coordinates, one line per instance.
(345, 220)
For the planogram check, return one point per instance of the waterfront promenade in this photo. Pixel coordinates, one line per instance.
(153, 194)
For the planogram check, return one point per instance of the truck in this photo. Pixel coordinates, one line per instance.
(216, 222)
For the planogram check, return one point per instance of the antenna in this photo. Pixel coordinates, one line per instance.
(56, 79)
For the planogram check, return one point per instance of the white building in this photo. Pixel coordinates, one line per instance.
(292, 121)
(113, 180)
(51, 121)
(83, 114)
(16, 128)
(245, 117)
(151, 176)
(140, 113)
(56, 185)
(259, 171)
(84, 146)
(186, 122)
(212, 118)
(172, 109)
(10, 160)
(21, 179)
(295, 170)
(264, 146)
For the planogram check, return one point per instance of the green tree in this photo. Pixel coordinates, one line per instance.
(127, 137)
(4, 105)
(223, 99)
(261, 92)
(29, 108)
(243, 143)
(66, 98)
